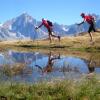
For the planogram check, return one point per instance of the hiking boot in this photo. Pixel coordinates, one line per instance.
(59, 38)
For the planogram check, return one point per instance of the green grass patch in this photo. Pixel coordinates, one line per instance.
(86, 89)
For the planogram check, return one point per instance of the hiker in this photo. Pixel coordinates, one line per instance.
(49, 26)
(49, 66)
(90, 20)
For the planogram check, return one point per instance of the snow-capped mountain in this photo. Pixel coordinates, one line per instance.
(23, 27)
(5, 34)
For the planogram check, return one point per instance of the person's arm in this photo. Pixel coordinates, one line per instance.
(39, 26)
(39, 67)
(81, 23)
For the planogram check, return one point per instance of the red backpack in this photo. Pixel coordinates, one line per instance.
(91, 17)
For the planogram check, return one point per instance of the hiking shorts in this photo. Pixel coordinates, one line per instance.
(50, 31)
(91, 28)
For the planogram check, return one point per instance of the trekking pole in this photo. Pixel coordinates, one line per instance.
(36, 35)
(44, 34)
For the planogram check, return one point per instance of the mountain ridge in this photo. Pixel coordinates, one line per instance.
(23, 27)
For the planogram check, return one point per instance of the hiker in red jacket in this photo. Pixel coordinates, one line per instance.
(90, 20)
(49, 26)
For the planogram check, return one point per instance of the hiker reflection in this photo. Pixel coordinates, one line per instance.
(91, 65)
(49, 66)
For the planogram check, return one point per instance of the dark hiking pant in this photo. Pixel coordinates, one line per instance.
(91, 28)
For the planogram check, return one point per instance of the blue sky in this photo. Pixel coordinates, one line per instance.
(61, 11)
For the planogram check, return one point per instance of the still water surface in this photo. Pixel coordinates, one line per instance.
(35, 66)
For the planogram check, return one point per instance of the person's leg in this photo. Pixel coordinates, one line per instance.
(89, 31)
(49, 33)
(49, 37)
(59, 38)
(93, 27)
(55, 36)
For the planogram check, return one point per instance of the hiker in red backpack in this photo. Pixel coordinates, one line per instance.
(49, 26)
(90, 20)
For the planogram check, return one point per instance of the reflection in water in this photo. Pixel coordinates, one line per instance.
(49, 66)
(93, 64)
(27, 66)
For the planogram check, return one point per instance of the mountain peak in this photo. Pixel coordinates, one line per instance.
(25, 15)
